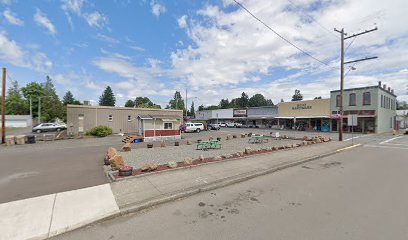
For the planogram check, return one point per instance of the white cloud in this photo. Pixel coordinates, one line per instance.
(105, 38)
(12, 18)
(136, 48)
(157, 8)
(96, 19)
(14, 54)
(6, 2)
(230, 48)
(41, 19)
(73, 6)
(182, 21)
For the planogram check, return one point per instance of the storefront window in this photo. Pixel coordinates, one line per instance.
(352, 99)
(367, 98)
(168, 125)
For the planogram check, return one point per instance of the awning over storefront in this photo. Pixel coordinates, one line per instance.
(303, 117)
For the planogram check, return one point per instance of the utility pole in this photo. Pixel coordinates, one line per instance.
(31, 109)
(39, 109)
(3, 108)
(342, 63)
(186, 102)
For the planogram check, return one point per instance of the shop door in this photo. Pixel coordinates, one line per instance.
(334, 125)
(80, 123)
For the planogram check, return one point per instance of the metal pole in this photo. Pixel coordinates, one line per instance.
(3, 108)
(341, 85)
(39, 109)
(31, 109)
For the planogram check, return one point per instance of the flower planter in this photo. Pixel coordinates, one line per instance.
(150, 145)
(176, 143)
(219, 138)
(125, 171)
(199, 140)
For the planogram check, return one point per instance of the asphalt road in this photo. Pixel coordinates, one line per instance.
(49, 167)
(357, 194)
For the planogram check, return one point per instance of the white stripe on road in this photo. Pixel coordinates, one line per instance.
(348, 139)
(385, 146)
(389, 140)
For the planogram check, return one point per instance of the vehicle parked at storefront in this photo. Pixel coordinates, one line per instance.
(214, 126)
(49, 127)
(223, 124)
(194, 127)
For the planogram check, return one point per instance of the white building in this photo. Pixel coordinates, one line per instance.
(402, 118)
(17, 121)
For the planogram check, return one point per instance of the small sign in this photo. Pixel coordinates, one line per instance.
(241, 112)
(352, 120)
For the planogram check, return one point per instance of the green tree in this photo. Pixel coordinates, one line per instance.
(107, 98)
(243, 101)
(201, 107)
(14, 100)
(269, 102)
(402, 105)
(177, 102)
(35, 90)
(51, 108)
(319, 97)
(130, 103)
(297, 96)
(192, 110)
(68, 98)
(282, 100)
(257, 100)
(224, 104)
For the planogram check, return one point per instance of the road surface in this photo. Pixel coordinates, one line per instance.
(356, 194)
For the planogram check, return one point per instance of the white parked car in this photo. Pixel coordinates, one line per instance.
(223, 124)
(234, 124)
(48, 127)
(194, 127)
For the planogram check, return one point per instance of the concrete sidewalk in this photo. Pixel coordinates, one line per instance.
(147, 190)
(50, 215)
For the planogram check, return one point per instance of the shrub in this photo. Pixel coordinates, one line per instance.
(100, 131)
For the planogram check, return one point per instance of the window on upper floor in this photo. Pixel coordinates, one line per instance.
(338, 99)
(352, 99)
(367, 98)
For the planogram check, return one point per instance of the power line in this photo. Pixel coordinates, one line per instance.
(279, 35)
(314, 20)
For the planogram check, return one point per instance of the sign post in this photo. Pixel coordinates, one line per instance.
(352, 121)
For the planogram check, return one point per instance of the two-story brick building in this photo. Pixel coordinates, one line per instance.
(375, 107)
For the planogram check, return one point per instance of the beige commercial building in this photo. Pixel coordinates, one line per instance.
(153, 124)
(305, 115)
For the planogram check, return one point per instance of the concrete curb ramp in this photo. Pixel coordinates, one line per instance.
(49, 215)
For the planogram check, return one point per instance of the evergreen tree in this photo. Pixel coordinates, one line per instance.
(177, 102)
(257, 100)
(130, 103)
(201, 107)
(243, 101)
(224, 104)
(68, 98)
(269, 102)
(14, 100)
(51, 106)
(297, 96)
(107, 98)
(282, 100)
(192, 110)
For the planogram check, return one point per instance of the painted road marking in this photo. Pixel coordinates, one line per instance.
(346, 148)
(385, 146)
(348, 139)
(389, 140)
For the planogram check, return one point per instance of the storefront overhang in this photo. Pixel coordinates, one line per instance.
(166, 118)
(302, 117)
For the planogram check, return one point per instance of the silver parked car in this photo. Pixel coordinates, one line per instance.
(49, 127)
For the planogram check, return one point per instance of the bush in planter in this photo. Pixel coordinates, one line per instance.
(100, 131)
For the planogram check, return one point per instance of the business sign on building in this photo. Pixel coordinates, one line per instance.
(301, 106)
(240, 112)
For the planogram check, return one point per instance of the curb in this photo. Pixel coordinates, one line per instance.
(130, 208)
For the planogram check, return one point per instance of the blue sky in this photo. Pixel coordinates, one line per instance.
(215, 49)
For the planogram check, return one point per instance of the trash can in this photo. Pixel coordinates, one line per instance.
(20, 139)
(30, 139)
(10, 140)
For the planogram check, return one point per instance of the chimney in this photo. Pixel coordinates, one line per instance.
(389, 89)
(379, 84)
(384, 87)
(392, 91)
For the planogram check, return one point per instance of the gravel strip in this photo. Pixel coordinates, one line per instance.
(161, 155)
